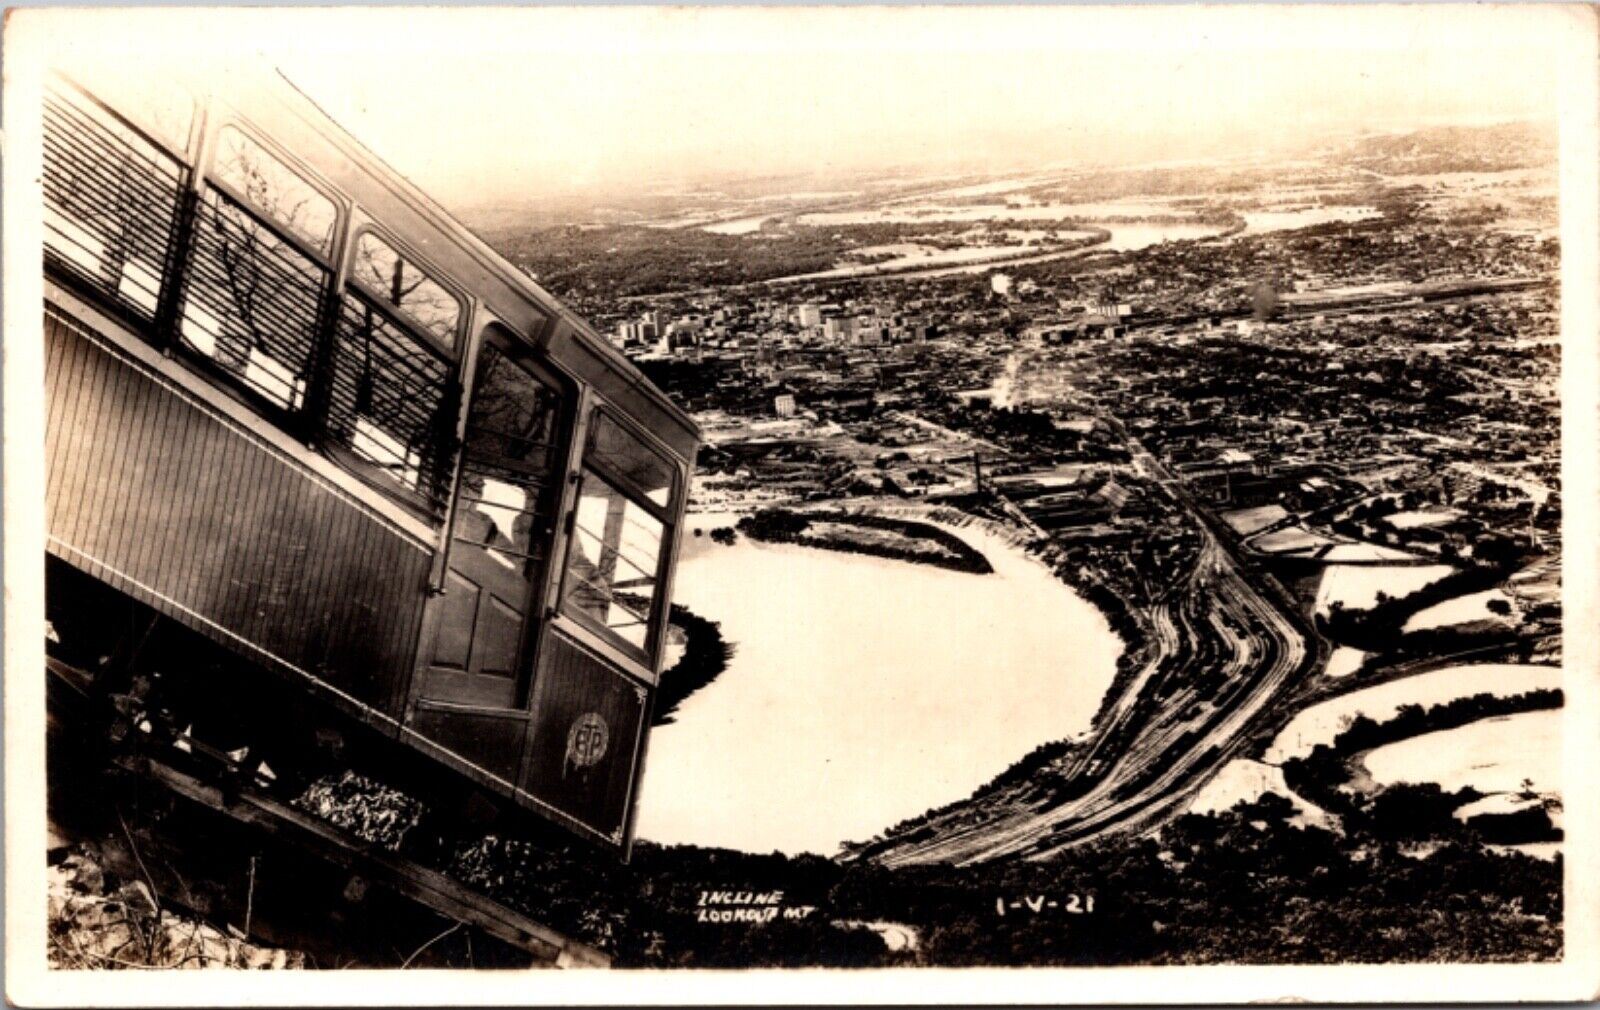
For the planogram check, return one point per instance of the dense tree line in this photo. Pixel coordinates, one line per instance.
(1410, 811)
(705, 656)
(914, 829)
(1243, 886)
(947, 551)
(1380, 628)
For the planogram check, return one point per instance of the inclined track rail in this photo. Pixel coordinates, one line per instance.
(214, 786)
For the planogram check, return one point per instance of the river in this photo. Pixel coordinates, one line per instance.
(863, 691)
(1124, 238)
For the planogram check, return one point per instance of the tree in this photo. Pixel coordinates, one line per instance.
(1497, 552)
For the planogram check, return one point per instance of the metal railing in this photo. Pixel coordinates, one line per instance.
(111, 206)
(391, 396)
(252, 302)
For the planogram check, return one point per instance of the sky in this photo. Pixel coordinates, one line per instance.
(483, 105)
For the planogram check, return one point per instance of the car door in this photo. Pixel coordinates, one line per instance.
(481, 629)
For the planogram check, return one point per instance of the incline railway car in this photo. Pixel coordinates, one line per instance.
(325, 467)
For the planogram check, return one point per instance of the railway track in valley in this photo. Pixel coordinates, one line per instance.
(1224, 648)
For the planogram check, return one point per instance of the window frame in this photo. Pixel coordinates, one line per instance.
(63, 88)
(666, 513)
(303, 422)
(134, 119)
(496, 336)
(397, 313)
(291, 419)
(209, 173)
(587, 466)
(310, 421)
(347, 456)
(341, 293)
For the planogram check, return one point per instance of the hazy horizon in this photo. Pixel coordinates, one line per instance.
(502, 106)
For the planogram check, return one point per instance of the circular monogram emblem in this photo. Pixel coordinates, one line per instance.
(587, 739)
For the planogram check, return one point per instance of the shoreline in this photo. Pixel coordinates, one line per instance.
(1059, 668)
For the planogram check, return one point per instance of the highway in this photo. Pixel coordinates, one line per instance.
(1223, 649)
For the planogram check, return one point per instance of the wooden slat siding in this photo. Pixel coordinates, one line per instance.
(267, 546)
(308, 611)
(254, 535)
(571, 681)
(72, 392)
(217, 503)
(274, 625)
(123, 472)
(328, 655)
(180, 575)
(149, 553)
(139, 462)
(62, 394)
(355, 625)
(196, 550)
(281, 589)
(79, 400)
(397, 576)
(59, 394)
(412, 583)
(183, 467)
(158, 550)
(408, 582)
(320, 637)
(90, 408)
(361, 627)
(101, 539)
(139, 511)
(314, 616)
(371, 652)
(250, 532)
(110, 539)
(116, 415)
(266, 542)
(278, 581)
(183, 505)
(225, 594)
(55, 363)
(316, 521)
(147, 509)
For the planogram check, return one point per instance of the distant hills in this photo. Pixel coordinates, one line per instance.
(1493, 148)
(649, 200)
